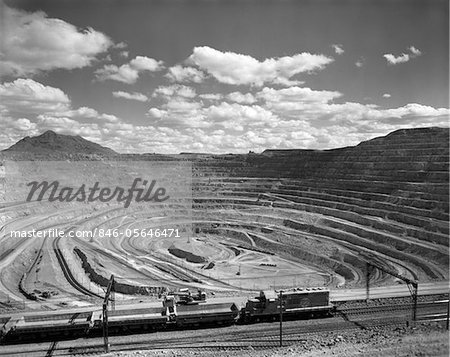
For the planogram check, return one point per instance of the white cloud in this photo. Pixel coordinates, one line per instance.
(86, 113)
(211, 96)
(300, 95)
(183, 125)
(174, 90)
(404, 57)
(236, 69)
(29, 96)
(49, 122)
(120, 45)
(28, 105)
(359, 63)
(129, 72)
(185, 74)
(238, 117)
(391, 59)
(36, 43)
(415, 51)
(132, 96)
(241, 98)
(142, 63)
(338, 49)
(157, 113)
(386, 95)
(414, 112)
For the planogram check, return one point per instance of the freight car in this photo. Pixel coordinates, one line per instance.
(130, 320)
(63, 326)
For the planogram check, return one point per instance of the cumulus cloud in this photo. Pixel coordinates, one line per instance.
(415, 51)
(185, 74)
(404, 57)
(386, 95)
(183, 125)
(28, 105)
(132, 96)
(297, 95)
(413, 112)
(359, 63)
(275, 118)
(29, 96)
(85, 113)
(238, 97)
(33, 43)
(129, 72)
(120, 45)
(211, 96)
(391, 59)
(237, 117)
(174, 90)
(233, 68)
(338, 49)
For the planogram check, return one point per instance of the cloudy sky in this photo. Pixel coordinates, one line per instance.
(222, 75)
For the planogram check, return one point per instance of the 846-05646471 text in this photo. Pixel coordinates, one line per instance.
(114, 233)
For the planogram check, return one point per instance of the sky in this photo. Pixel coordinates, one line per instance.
(222, 76)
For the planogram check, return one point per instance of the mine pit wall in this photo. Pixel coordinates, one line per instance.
(415, 155)
(404, 165)
(402, 177)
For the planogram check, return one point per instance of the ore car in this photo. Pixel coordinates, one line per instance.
(132, 320)
(199, 314)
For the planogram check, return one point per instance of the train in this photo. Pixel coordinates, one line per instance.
(189, 311)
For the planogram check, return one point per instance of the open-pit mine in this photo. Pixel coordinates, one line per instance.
(275, 220)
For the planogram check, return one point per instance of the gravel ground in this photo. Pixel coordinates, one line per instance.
(428, 339)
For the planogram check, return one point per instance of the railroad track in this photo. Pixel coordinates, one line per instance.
(261, 336)
(68, 274)
(361, 310)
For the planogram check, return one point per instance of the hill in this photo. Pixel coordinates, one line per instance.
(51, 142)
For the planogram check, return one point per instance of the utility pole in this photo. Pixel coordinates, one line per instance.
(281, 317)
(372, 262)
(105, 312)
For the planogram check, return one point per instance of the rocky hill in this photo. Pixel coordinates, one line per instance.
(53, 143)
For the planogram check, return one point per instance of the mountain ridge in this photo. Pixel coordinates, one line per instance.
(50, 142)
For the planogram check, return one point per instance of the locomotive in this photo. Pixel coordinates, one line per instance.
(295, 303)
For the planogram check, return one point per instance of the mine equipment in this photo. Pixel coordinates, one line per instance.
(372, 261)
(185, 297)
(170, 308)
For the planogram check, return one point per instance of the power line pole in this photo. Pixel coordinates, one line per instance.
(281, 317)
(109, 289)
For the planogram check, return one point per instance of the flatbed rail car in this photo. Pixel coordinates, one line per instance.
(39, 327)
(296, 303)
(207, 314)
(131, 320)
